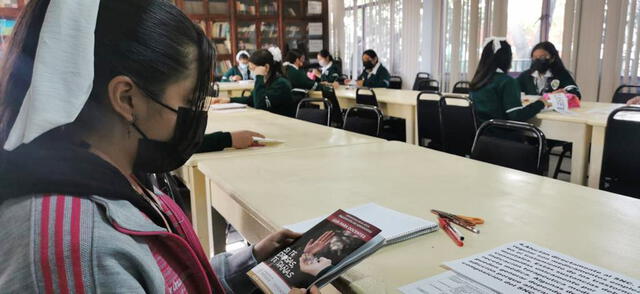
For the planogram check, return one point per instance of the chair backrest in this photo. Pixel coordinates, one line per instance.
(214, 90)
(320, 116)
(620, 160)
(298, 94)
(429, 133)
(458, 124)
(461, 87)
(511, 144)
(395, 82)
(363, 119)
(366, 96)
(419, 78)
(244, 93)
(336, 112)
(624, 93)
(428, 85)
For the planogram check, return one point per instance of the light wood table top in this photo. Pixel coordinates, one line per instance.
(284, 188)
(297, 134)
(236, 86)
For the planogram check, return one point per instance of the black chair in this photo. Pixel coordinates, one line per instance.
(511, 144)
(429, 133)
(458, 125)
(395, 82)
(337, 118)
(461, 87)
(624, 93)
(429, 85)
(363, 119)
(214, 90)
(419, 78)
(620, 160)
(308, 111)
(366, 96)
(298, 94)
(244, 92)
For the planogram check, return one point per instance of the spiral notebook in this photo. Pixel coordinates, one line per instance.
(396, 226)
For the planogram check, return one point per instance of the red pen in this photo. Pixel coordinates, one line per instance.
(445, 226)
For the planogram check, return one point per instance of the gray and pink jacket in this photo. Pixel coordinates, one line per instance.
(70, 241)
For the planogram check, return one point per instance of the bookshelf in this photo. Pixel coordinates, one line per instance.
(234, 25)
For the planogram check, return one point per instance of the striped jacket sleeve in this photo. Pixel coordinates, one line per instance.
(60, 244)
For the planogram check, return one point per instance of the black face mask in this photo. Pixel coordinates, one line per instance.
(157, 156)
(368, 64)
(541, 65)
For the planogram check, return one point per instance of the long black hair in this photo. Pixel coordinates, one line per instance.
(490, 62)
(555, 63)
(263, 57)
(150, 41)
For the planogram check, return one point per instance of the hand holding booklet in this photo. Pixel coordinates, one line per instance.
(323, 253)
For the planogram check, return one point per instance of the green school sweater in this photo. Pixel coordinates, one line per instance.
(299, 79)
(215, 142)
(528, 85)
(378, 80)
(274, 98)
(331, 75)
(234, 71)
(500, 99)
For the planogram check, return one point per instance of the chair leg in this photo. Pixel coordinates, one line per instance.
(559, 163)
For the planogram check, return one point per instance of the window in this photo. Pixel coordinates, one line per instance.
(372, 24)
(526, 29)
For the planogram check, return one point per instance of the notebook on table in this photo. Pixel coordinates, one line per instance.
(395, 226)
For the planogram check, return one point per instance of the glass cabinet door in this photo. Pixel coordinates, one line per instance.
(246, 36)
(269, 34)
(246, 7)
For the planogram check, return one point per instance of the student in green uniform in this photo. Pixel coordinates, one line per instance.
(293, 61)
(271, 91)
(374, 75)
(239, 72)
(547, 73)
(495, 94)
(329, 72)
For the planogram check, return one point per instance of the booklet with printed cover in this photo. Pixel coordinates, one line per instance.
(318, 257)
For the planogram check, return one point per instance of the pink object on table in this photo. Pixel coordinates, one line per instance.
(311, 75)
(573, 100)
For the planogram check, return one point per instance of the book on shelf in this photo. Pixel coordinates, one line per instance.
(218, 7)
(223, 66)
(243, 8)
(219, 29)
(221, 48)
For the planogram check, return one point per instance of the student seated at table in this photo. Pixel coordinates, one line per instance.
(634, 101)
(547, 73)
(271, 91)
(495, 94)
(239, 72)
(374, 75)
(291, 68)
(74, 217)
(329, 71)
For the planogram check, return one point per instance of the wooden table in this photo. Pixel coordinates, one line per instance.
(598, 121)
(297, 135)
(578, 127)
(260, 194)
(398, 103)
(575, 127)
(233, 89)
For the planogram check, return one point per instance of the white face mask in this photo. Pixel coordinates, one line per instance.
(253, 75)
(243, 66)
(322, 62)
